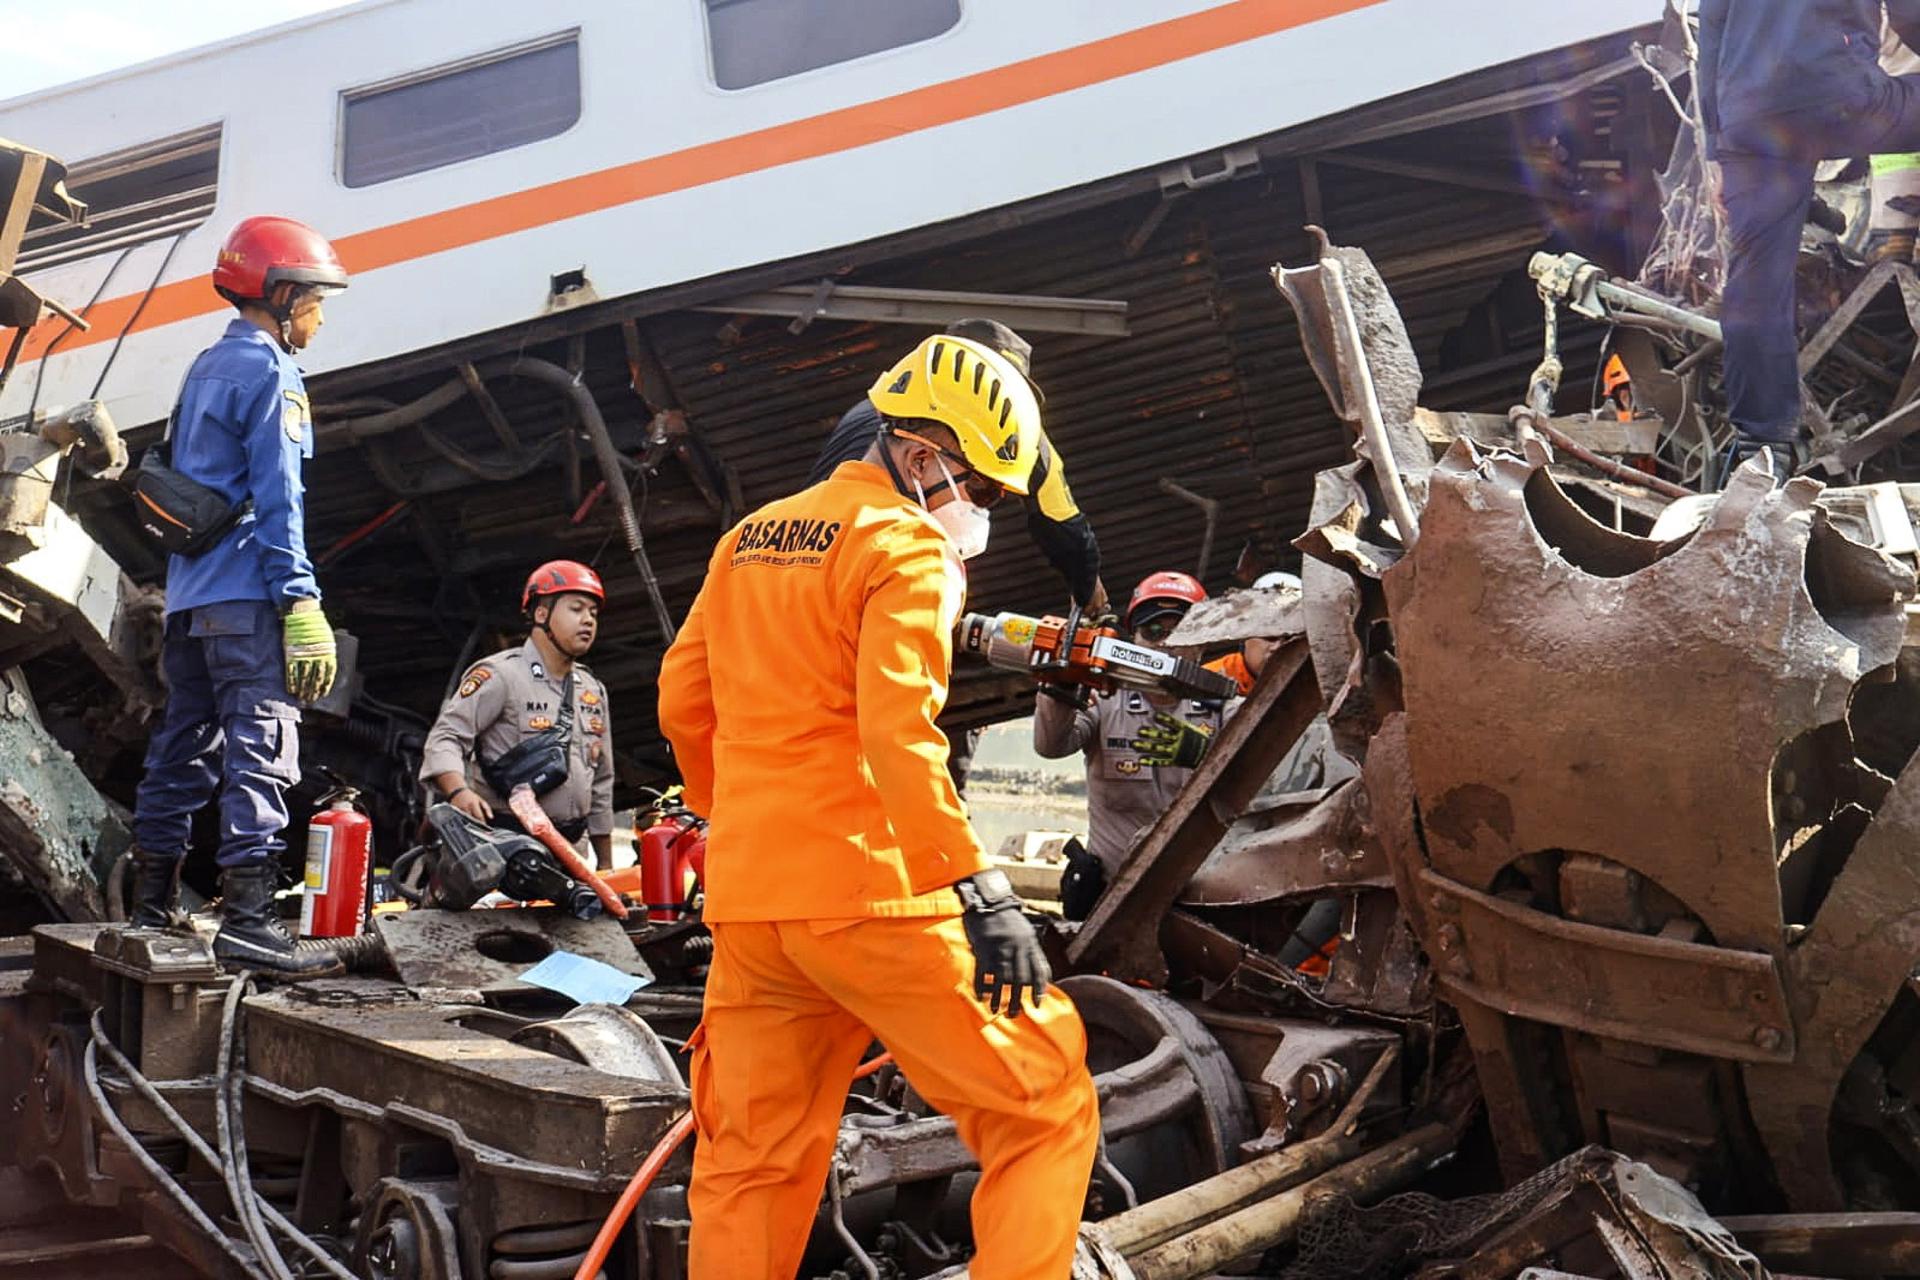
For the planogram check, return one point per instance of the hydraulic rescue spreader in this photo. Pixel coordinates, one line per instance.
(1070, 651)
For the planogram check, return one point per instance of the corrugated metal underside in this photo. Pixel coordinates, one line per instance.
(1211, 389)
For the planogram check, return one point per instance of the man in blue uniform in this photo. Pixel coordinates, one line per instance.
(246, 641)
(1783, 85)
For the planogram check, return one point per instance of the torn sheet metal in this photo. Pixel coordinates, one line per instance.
(61, 835)
(1309, 846)
(1246, 614)
(1540, 649)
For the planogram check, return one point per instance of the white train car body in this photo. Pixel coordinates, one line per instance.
(462, 153)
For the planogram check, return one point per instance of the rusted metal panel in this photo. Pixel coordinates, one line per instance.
(1582, 629)
(1297, 849)
(1842, 976)
(1121, 935)
(487, 951)
(506, 1106)
(1607, 982)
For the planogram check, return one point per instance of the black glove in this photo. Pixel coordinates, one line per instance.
(1006, 952)
(1171, 741)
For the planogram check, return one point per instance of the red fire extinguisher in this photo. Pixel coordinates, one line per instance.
(673, 855)
(339, 868)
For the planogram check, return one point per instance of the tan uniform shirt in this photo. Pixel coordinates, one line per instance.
(504, 700)
(1124, 793)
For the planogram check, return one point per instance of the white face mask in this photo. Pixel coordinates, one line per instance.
(968, 525)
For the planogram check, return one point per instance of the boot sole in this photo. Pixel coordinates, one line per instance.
(270, 962)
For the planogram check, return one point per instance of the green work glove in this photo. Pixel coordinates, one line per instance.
(308, 642)
(1171, 741)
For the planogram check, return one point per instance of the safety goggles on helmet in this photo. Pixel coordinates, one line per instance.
(980, 491)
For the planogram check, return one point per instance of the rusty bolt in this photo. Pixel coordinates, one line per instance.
(1320, 1081)
(1449, 937)
(1437, 901)
(1768, 1038)
(1333, 862)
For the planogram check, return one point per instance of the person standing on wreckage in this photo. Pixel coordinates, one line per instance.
(246, 641)
(516, 715)
(848, 895)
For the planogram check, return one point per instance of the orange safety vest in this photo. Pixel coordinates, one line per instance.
(1234, 667)
(800, 700)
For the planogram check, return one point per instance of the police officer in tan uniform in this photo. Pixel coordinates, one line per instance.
(516, 697)
(1128, 786)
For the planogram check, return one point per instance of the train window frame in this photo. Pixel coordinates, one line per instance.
(960, 12)
(348, 98)
(108, 229)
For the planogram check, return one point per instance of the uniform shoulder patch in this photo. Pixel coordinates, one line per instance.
(296, 412)
(475, 678)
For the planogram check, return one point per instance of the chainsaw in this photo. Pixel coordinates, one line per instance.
(1070, 651)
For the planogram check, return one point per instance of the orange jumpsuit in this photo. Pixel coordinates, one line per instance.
(800, 700)
(1234, 667)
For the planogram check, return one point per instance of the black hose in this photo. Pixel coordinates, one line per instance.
(575, 389)
(46, 357)
(90, 1073)
(172, 1116)
(233, 1163)
(134, 319)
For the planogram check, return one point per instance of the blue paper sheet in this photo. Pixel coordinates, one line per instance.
(582, 979)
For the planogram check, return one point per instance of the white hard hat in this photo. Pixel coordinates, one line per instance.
(1278, 578)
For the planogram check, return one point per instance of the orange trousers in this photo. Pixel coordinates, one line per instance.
(790, 1009)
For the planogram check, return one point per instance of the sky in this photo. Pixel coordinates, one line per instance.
(50, 42)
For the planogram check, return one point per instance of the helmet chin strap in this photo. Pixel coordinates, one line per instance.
(893, 469)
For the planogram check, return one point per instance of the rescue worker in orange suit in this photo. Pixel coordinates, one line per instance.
(848, 896)
(1244, 666)
(509, 705)
(1126, 790)
(1055, 523)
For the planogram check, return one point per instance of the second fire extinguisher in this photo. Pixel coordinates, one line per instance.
(339, 868)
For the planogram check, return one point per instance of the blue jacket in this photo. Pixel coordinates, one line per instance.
(243, 427)
(1768, 58)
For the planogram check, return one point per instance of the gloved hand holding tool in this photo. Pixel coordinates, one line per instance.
(308, 643)
(1170, 741)
(1006, 952)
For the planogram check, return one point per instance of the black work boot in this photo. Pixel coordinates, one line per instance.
(252, 935)
(156, 890)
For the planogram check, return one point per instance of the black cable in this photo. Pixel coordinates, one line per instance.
(90, 1073)
(233, 1166)
(167, 1111)
(33, 402)
(134, 319)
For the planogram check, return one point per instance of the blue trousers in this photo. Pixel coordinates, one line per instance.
(1766, 173)
(230, 728)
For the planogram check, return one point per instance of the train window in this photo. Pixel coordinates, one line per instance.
(451, 113)
(754, 41)
(133, 195)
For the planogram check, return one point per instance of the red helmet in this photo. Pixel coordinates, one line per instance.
(558, 577)
(1167, 587)
(265, 251)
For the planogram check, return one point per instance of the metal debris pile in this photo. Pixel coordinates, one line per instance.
(1546, 909)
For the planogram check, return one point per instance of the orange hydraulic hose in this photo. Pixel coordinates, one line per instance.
(527, 808)
(650, 1168)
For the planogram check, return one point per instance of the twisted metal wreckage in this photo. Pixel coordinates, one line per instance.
(1619, 848)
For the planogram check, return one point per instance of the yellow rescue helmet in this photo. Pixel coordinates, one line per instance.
(976, 393)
